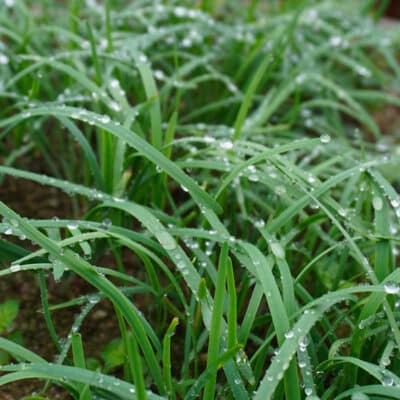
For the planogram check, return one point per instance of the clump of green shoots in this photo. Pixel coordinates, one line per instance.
(231, 148)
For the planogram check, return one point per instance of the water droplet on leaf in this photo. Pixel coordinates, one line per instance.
(166, 240)
(391, 287)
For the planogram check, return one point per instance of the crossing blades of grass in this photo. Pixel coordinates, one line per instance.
(135, 141)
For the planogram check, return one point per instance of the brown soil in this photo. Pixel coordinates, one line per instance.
(99, 327)
(97, 330)
(393, 10)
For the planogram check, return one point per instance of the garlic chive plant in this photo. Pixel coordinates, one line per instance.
(234, 155)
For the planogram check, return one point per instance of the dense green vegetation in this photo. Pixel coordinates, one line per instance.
(230, 153)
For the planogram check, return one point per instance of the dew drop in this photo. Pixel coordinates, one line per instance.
(93, 299)
(311, 179)
(3, 59)
(105, 119)
(335, 41)
(72, 226)
(180, 12)
(325, 139)
(186, 42)
(395, 203)
(300, 79)
(377, 202)
(259, 223)
(308, 391)
(253, 178)
(166, 240)
(391, 287)
(180, 265)
(232, 87)
(277, 249)
(387, 379)
(302, 364)
(15, 268)
(115, 106)
(226, 144)
(115, 83)
(289, 335)
(303, 343)
(143, 58)
(159, 74)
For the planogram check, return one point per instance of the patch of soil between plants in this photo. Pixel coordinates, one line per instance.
(30, 199)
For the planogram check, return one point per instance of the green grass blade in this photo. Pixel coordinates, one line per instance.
(215, 329)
